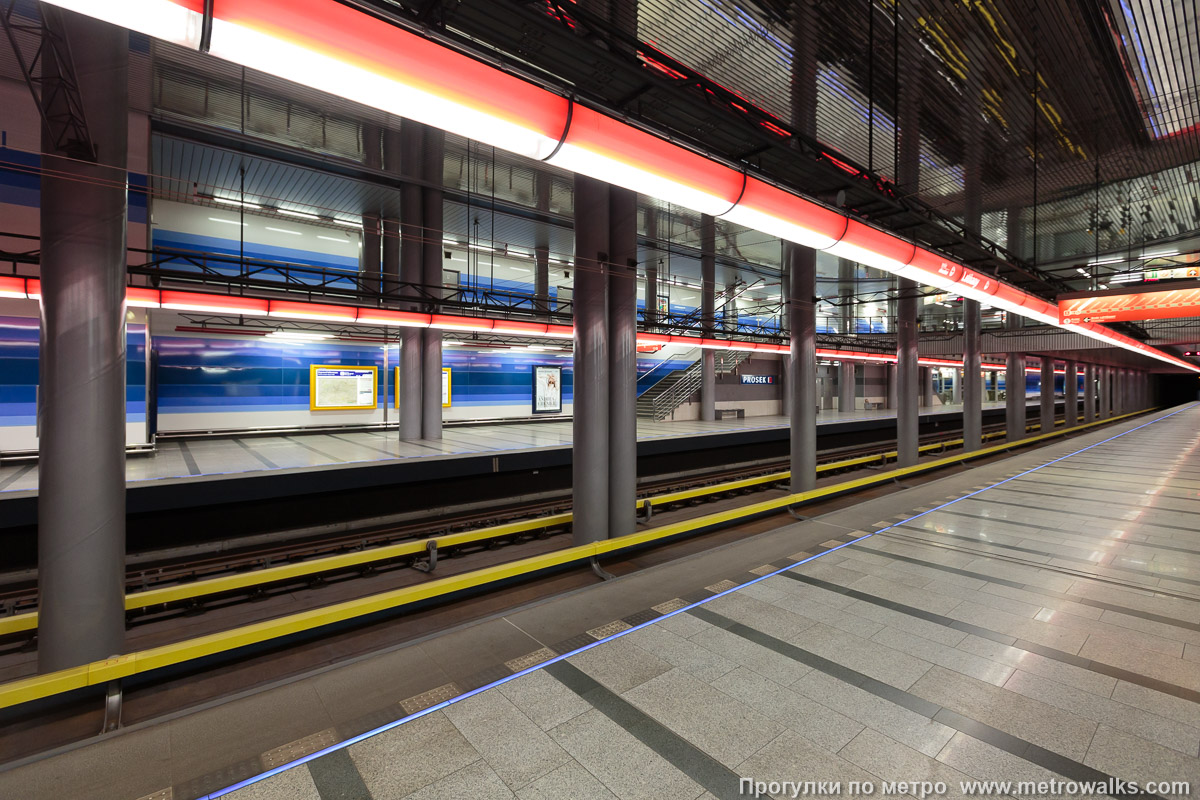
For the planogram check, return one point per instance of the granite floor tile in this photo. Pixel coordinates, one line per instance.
(1156, 702)
(762, 660)
(1044, 633)
(1056, 730)
(684, 624)
(917, 731)
(620, 665)
(1144, 662)
(890, 760)
(791, 757)
(984, 762)
(292, 784)
(852, 624)
(1012, 656)
(943, 655)
(473, 782)
(765, 617)
(901, 620)
(513, 746)
(721, 726)
(608, 752)
(679, 652)
(543, 699)
(568, 781)
(429, 747)
(891, 667)
(821, 725)
(1162, 630)
(1130, 758)
(1126, 718)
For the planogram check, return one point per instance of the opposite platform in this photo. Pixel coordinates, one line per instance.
(182, 460)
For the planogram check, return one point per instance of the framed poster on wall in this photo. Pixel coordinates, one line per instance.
(547, 389)
(340, 388)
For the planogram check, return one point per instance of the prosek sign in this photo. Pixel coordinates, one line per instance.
(757, 380)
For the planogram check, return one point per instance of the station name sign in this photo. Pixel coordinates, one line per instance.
(758, 380)
(1131, 306)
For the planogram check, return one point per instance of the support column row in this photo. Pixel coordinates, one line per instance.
(604, 419)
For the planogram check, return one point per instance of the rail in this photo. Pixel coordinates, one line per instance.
(195, 590)
(98, 673)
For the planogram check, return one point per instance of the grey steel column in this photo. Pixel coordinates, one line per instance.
(846, 386)
(433, 147)
(1105, 390)
(391, 256)
(846, 294)
(409, 395)
(1046, 394)
(541, 253)
(926, 378)
(973, 389)
(800, 264)
(785, 293)
(81, 465)
(891, 386)
(708, 291)
(908, 414)
(589, 423)
(1071, 395)
(622, 362)
(393, 162)
(370, 257)
(1089, 393)
(1014, 397)
(956, 388)
(1118, 388)
(650, 304)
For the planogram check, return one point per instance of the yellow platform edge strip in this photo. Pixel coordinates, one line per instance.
(41, 686)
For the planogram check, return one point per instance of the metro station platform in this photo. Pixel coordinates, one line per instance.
(196, 472)
(1030, 619)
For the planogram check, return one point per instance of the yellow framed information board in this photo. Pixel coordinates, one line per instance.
(333, 387)
(446, 387)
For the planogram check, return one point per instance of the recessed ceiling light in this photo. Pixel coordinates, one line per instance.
(230, 202)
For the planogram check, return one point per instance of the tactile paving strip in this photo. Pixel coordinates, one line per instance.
(673, 604)
(604, 631)
(161, 794)
(419, 702)
(723, 586)
(299, 748)
(528, 660)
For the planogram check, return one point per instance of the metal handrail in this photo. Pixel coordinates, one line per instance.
(663, 404)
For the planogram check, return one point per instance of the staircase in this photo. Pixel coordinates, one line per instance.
(676, 387)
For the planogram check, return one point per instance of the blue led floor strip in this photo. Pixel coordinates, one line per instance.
(465, 695)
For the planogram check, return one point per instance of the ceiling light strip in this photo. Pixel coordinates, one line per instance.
(332, 47)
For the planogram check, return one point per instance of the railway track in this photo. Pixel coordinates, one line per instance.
(18, 594)
(390, 602)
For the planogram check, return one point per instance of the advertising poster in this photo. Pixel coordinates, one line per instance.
(446, 387)
(547, 390)
(336, 388)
